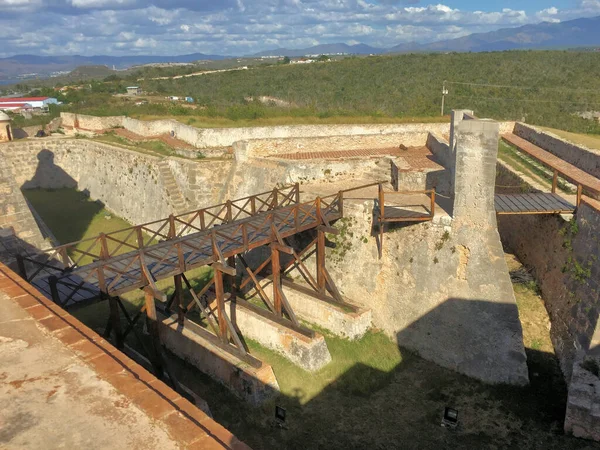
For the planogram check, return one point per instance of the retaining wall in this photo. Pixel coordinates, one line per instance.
(273, 147)
(439, 147)
(226, 137)
(583, 157)
(564, 258)
(90, 123)
(127, 182)
(15, 214)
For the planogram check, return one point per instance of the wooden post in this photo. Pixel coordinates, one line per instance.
(341, 203)
(297, 189)
(253, 205)
(275, 197)
(172, 230)
(321, 261)
(232, 278)
(381, 218)
(554, 181)
(179, 299)
(21, 266)
(202, 220)
(152, 325)
(432, 203)
(104, 254)
(579, 193)
(218, 277)
(276, 268)
(229, 216)
(140, 237)
(318, 208)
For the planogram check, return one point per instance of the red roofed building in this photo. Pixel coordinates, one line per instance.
(34, 102)
(15, 106)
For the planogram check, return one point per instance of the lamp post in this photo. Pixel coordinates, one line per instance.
(444, 93)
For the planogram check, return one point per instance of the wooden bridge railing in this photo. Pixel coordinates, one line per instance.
(139, 237)
(568, 171)
(141, 268)
(402, 215)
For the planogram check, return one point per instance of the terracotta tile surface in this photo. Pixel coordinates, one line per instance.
(184, 422)
(417, 157)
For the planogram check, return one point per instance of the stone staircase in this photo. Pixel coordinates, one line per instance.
(174, 194)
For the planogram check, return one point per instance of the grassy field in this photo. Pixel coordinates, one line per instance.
(529, 167)
(224, 122)
(546, 88)
(73, 216)
(589, 140)
(374, 395)
(152, 147)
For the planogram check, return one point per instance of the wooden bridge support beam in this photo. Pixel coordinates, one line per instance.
(115, 322)
(152, 326)
(220, 293)
(178, 296)
(276, 269)
(321, 280)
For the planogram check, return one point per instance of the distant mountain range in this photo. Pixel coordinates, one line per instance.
(14, 66)
(545, 35)
(569, 34)
(329, 49)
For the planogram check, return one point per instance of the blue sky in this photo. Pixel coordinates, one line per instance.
(241, 27)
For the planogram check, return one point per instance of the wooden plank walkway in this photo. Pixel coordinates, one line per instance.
(538, 203)
(569, 171)
(404, 214)
(127, 272)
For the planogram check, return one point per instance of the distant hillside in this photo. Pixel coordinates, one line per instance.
(331, 49)
(570, 34)
(44, 65)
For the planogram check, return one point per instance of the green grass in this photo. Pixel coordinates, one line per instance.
(72, 216)
(150, 147)
(225, 122)
(375, 352)
(529, 167)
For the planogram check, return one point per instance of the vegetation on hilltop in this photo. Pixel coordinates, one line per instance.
(541, 87)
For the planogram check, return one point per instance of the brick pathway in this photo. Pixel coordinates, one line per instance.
(64, 386)
(417, 157)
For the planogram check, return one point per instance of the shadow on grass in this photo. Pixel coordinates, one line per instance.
(52, 193)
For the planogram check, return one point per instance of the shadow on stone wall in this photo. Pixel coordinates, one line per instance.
(478, 338)
(49, 175)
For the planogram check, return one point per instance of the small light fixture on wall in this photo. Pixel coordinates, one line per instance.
(450, 419)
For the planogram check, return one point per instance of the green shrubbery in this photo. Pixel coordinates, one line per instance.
(541, 87)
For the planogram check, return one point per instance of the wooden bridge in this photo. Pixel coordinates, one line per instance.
(546, 203)
(109, 265)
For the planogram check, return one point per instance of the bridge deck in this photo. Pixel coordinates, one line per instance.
(126, 272)
(569, 171)
(538, 203)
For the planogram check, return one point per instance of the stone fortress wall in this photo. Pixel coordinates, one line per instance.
(277, 136)
(444, 281)
(585, 158)
(562, 253)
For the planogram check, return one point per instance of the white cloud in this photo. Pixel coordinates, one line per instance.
(245, 26)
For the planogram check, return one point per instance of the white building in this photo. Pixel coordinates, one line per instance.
(34, 102)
